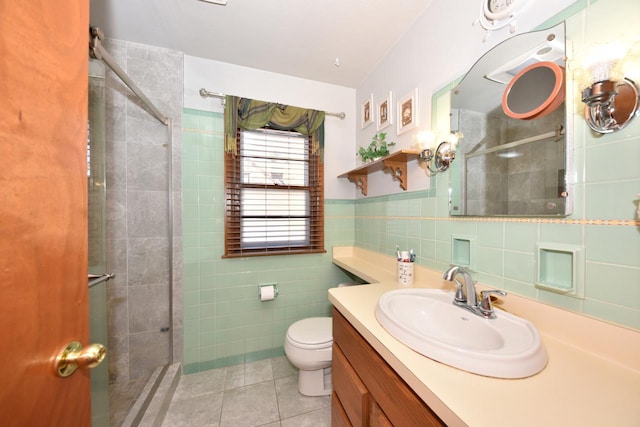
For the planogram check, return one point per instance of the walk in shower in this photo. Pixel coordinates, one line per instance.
(133, 212)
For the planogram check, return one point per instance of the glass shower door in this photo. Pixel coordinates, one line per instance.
(97, 224)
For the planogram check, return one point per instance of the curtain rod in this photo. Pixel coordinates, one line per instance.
(208, 94)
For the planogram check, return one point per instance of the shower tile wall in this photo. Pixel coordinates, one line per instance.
(224, 321)
(139, 309)
(528, 182)
(486, 183)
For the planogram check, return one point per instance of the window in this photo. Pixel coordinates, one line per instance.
(274, 189)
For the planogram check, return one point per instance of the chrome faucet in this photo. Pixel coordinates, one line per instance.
(466, 291)
(466, 296)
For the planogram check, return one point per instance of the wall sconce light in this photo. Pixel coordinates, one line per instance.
(611, 99)
(443, 155)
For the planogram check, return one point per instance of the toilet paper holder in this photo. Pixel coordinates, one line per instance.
(261, 287)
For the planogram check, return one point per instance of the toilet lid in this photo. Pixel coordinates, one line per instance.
(312, 331)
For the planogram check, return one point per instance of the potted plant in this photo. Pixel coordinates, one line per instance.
(379, 147)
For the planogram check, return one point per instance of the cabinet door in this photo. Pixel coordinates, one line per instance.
(377, 417)
(339, 417)
(352, 393)
(397, 400)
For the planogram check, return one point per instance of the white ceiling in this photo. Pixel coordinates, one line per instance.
(300, 38)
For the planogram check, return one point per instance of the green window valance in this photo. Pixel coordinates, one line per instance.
(247, 113)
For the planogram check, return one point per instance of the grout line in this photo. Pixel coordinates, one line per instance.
(209, 132)
(605, 222)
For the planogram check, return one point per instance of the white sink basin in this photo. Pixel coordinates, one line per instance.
(427, 321)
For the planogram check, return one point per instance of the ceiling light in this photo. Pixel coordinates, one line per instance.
(220, 2)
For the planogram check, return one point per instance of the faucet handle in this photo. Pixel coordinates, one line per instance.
(486, 308)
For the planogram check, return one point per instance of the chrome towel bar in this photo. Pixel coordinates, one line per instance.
(96, 279)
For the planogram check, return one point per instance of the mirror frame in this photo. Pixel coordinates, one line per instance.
(441, 103)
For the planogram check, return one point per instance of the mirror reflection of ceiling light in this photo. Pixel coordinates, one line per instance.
(544, 50)
(510, 155)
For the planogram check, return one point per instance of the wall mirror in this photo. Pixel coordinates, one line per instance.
(510, 108)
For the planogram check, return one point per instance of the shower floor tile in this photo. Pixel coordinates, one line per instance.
(122, 396)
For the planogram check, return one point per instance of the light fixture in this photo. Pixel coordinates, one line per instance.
(220, 2)
(440, 156)
(611, 99)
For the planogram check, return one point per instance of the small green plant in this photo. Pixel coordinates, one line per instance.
(379, 147)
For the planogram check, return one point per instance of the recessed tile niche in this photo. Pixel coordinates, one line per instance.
(463, 251)
(560, 269)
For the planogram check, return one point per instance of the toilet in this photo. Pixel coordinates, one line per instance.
(308, 347)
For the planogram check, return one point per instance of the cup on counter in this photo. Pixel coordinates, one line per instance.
(405, 273)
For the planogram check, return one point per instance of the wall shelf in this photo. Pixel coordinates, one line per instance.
(396, 163)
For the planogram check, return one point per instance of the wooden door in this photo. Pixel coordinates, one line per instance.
(43, 209)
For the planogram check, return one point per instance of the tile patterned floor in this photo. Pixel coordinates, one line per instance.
(263, 393)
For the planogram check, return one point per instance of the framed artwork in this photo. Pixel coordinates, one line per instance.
(366, 112)
(407, 111)
(385, 113)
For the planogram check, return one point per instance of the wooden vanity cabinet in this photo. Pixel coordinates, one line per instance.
(366, 390)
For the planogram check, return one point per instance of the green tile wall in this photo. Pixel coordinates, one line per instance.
(224, 321)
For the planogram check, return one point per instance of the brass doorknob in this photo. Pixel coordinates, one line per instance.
(74, 356)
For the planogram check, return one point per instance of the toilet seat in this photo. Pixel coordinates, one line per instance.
(311, 333)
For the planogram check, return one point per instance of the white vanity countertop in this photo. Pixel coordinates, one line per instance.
(592, 378)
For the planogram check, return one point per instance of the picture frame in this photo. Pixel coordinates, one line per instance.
(407, 112)
(384, 110)
(367, 112)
